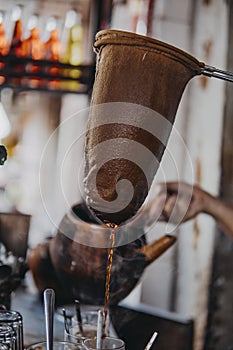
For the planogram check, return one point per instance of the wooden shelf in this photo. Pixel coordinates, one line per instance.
(25, 74)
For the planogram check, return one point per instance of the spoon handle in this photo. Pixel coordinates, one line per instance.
(49, 298)
(151, 341)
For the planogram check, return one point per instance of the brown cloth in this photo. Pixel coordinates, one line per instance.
(142, 71)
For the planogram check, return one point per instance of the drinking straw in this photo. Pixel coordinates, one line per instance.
(78, 315)
(151, 341)
(99, 336)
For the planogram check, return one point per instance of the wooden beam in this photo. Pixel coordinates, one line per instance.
(219, 331)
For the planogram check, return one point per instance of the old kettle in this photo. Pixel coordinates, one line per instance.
(74, 262)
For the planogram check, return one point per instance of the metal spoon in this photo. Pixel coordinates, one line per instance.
(49, 298)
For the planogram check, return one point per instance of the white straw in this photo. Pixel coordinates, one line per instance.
(99, 337)
(151, 341)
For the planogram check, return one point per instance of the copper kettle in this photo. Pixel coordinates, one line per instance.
(77, 270)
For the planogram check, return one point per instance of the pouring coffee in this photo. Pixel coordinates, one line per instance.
(76, 270)
(144, 77)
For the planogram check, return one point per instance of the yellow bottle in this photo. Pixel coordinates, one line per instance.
(73, 48)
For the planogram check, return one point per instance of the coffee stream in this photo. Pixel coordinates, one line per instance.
(108, 277)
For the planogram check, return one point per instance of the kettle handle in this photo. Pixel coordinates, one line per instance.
(154, 250)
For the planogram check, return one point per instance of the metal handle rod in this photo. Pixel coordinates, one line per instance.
(210, 71)
(49, 298)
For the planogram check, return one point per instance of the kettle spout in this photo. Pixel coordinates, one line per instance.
(154, 250)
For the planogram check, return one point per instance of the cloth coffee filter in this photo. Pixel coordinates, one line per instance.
(138, 86)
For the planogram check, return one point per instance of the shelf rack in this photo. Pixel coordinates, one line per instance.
(24, 74)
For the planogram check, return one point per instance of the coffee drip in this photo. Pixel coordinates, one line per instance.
(140, 71)
(138, 86)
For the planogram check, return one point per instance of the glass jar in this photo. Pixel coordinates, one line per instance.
(8, 336)
(14, 320)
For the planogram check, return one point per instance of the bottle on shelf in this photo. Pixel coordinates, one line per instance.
(73, 47)
(53, 51)
(33, 47)
(16, 43)
(4, 46)
(53, 44)
(4, 42)
(16, 40)
(72, 43)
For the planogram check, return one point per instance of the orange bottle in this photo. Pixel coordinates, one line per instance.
(16, 45)
(33, 47)
(53, 51)
(4, 50)
(53, 46)
(4, 42)
(16, 40)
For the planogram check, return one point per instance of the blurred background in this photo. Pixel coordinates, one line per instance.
(46, 75)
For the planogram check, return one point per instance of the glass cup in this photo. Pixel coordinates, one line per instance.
(108, 344)
(57, 345)
(74, 334)
(15, 320)
(3, 346)
(89, 327)
(8, 336)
